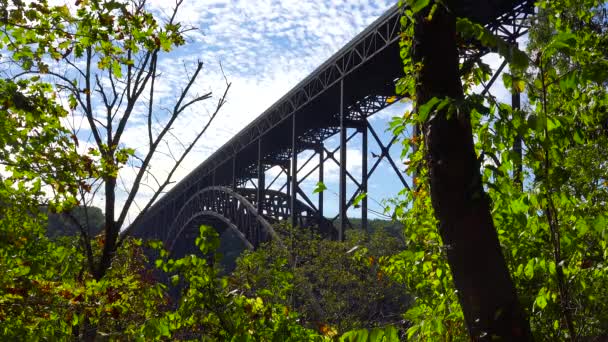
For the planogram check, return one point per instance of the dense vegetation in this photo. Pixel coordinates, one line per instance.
(531, 220)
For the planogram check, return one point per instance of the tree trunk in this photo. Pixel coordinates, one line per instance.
(111, 229)
(485, 289)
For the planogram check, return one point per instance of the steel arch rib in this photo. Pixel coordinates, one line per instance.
(213, 214)
(277, 208)
(222, 203)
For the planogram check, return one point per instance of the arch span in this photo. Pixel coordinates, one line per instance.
(203, 217)
(226, 205)
(237, 210)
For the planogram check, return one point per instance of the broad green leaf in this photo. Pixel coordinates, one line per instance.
(529, 269)
(425, 109)
(320, 187)
(359, 198)
(541, 301)
(417, 5)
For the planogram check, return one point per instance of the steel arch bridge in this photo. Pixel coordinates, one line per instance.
(336, 99)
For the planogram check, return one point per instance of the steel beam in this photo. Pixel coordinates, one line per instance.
(261, 179)
(294, 171)
(342, 195)
(321, 171)
(234, 173)
(288, 183)
(385, 152)
(364, 175)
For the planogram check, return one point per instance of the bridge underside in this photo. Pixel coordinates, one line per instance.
(336, 99)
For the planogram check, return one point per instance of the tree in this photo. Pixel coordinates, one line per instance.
(102, 58)
(331, 284)
(485, 289)
(551, 226)
(210, 309)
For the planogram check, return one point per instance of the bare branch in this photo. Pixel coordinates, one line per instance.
(151, 104)
(88, 108)
(153, 147)
(137, 90)
(167, 181)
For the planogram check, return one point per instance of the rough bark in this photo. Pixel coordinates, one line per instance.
(485, 289)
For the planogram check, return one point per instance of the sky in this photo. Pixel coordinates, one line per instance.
(263, 48)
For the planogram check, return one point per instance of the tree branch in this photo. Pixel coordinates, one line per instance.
(167, 181)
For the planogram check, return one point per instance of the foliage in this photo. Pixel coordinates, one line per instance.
(211, 311)
(551, 219)
(100, 59)
(332, 284)
(422, 266)
(45, 292)
(30, 269)
(35, 149)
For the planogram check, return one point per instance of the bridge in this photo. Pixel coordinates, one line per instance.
(229, 190)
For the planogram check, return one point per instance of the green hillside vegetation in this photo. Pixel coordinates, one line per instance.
(70, 223)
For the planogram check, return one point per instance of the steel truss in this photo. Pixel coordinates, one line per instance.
(355, 83)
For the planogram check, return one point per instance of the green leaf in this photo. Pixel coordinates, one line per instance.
(519, 59)
(425, 109)
(359, 198)
(319, 188)
(529, 269)
(391, 334)
(541, 300)
(418, 5)
(552, 124)
(519, 85)
(507, 80)
(360, 335)
(563, 42)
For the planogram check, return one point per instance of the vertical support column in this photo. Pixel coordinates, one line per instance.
(287, 170)
(261, 179)
(294, 171)
(288, 176)
(261, 195)
(234, 173)
(342, 195)
(364, 174)
(321, 177)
